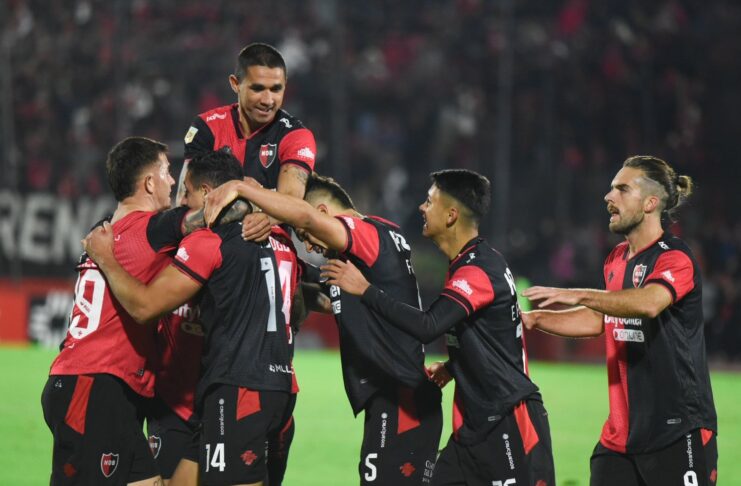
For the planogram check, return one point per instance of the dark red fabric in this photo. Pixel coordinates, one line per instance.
(248, 402)
(77, 409)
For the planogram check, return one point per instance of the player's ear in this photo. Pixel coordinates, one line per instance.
(206, 188)
(234, 83)
(453, 216)
(650, 204)
(149, 183)
(323, 208)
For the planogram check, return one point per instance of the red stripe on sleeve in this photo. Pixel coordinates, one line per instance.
(363, 241)
(248, 402)
(300, 146)
(674, 269)
(200, 254)
(472, 284)
(527, 430)
(408, 419)
(77, 409)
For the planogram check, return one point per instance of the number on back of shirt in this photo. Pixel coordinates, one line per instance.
(285, 271)
(89, 293)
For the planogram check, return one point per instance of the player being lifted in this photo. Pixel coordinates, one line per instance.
(244, 291)
(500, 427)
(662, 423)
(383, 367)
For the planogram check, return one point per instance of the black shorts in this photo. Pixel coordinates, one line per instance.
(401, 436)
(98, 436)
(236, 424)
(170, 437)
(517, 451)
(279, 445)
(691, 461)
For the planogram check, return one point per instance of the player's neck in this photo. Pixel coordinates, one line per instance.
(452, 242)
(643, 235)
(131, 204)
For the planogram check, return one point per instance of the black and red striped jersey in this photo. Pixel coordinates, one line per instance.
(245, 307)
(102, 337)
(283, 141)
(374, 353)
(659, 384)
(487, 350)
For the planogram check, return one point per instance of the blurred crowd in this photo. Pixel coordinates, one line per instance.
(393, 90)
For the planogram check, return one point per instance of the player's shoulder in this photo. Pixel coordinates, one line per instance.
(286, 122)
(618, 252)
(480, 253)
(670, 242)
(216, 115)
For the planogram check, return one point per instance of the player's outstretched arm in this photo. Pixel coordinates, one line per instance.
(296, 212)
(424, 325)
(645, 302)
(194, 219)
(579, 322)
(169, 289)
(292, 180)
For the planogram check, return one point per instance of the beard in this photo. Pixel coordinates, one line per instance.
(625, 226)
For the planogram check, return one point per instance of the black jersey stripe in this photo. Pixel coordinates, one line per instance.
(189, 272)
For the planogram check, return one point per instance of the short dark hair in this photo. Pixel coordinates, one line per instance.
(677, 188)
(258, 54)
(126, 161)
(329, 186)
(468, 187)
(214, 168)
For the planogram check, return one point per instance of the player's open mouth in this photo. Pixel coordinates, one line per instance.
(614, 213)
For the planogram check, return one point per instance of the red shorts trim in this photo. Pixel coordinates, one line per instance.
(77, 409)
(527, 430)
(248, 402)
(408, 419)
(706, 435)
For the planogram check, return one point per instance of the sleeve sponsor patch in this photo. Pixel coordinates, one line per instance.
(471, 287)
(190, 135)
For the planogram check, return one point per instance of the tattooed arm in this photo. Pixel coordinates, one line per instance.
(236, 211)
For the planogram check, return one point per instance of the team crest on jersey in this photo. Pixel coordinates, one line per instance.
(639, 273)
(155, 445)
(267, 154)
(108, 464)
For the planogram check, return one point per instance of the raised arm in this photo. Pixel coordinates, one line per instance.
(576, 323)
(296, 212)
(424, 325)
(169, 289)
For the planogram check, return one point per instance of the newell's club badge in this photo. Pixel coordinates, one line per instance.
(191, 134)
(639, 272)
(155, 445)
(108, 464)
(267, 154)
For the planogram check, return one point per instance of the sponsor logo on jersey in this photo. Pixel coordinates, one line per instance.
(628, 335)
(155, 445)
(108, 463)
(639, 273)
(215, 116)
(463, 286)
(407, 469)
(668, 275)
(286, 122)
(280, 368)
(508, 451)
(384, 424)
(306, 153)
(624, 321)
(267, 154)
(190, 134)
(182, 254)
(663, 245)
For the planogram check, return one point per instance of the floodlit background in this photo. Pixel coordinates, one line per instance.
(545, 98)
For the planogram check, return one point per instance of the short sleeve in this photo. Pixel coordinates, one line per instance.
(298, 147)
(164, 230)
(470, 287)
(675, 271)
(362, 239)
(198, 138)
(198, 255)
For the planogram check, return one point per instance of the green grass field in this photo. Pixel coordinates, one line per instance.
(325, 450)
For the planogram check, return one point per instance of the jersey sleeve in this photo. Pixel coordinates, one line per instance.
(298, 147)
(198, 255)
(470, 287)
(673, 270)
(198, 138)
(362, 239)
(164, 230)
